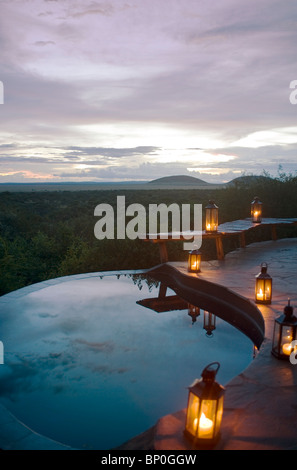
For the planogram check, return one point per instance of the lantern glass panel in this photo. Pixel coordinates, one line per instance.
(192, 413)
(204, 417)
(287, 337)
(207, 419)
(212, 219)
(219, 415)
(282, 339)
(209, 321)
(276, 338)
(263, 290)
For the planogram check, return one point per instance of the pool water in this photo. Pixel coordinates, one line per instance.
(88, 365)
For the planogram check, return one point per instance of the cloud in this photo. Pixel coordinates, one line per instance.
(119, 82)
(110, 152)
(104, 369)
(25, 175)
(105, 347)
(19, 378)
(70, 155)
(93, 8)
(44, 43)
(26, 374)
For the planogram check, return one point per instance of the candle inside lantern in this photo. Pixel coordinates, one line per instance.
(260, 295)
(256, 210)
(287, 348)
(263, 296)
(205, 425)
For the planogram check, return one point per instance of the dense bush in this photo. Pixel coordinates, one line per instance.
(49, 234)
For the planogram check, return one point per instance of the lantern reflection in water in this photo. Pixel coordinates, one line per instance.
(193, 312)
(209, 323)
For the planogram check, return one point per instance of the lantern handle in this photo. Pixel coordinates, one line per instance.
(208, 373)
(264, 267)
(288, 310)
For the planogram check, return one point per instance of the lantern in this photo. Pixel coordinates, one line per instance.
(205, 408)
(209, 323)
(193, 312)
(256, 210)
(263, 286)
(285, 331)
(211, 217)
(194, 261)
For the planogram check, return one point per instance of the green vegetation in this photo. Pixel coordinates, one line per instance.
(45, 235)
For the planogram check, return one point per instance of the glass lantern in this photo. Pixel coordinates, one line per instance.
(205, 408)
(263, 286)
(194, 261)
(211, 217)
(256, 210)
(285, 331)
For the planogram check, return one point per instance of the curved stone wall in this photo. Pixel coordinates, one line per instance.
(219, 300)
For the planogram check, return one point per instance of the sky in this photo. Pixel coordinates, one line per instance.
(134, 90)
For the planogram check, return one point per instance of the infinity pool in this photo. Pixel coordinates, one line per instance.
(92, 361)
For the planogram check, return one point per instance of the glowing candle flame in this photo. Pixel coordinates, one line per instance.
(287, 349)
(205, 425)
(260, 295)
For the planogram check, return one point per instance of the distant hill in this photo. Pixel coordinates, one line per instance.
(179, 180)
(249, 180)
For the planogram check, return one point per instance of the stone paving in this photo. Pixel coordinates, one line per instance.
(260, 411)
